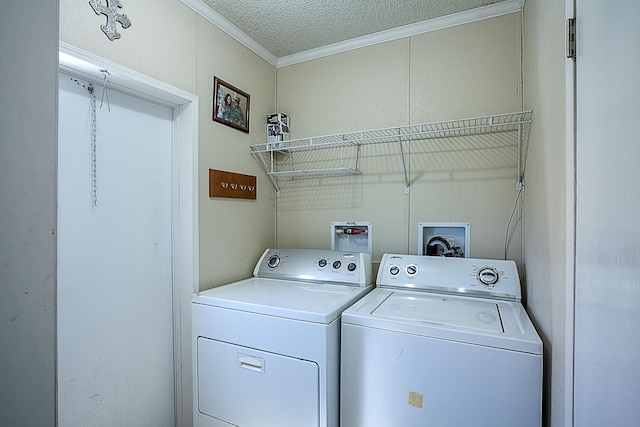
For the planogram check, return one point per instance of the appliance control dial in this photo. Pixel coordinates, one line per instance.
(273, 261)
(411, 269)
(322, 262)
(352, 266)
(394, 270)
(336, 264)
(488, 276)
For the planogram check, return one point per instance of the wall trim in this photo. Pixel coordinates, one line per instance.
(485, 12)
(88, 65)
(201, 8)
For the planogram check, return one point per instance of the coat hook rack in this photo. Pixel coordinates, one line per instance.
(231, 185)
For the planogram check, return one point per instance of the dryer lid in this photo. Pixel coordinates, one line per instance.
(312, 302)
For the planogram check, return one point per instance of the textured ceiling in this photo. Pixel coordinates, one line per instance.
(287, 27)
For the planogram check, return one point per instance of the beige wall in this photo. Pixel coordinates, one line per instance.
(545, 197)
(464, 71)
(170, 42)
(233, 232)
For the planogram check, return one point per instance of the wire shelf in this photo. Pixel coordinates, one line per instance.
(277, 159)
(447, 129)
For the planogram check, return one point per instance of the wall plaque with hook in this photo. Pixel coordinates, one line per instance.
(231, 184)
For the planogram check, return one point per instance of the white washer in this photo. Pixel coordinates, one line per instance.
(441, 342)
(266, 350)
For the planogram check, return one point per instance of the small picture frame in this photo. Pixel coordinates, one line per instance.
(230, 105)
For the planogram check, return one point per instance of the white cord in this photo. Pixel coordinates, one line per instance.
(506, 234)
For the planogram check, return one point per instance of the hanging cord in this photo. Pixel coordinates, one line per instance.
(105, 73)
(506, 233)
(94, 133)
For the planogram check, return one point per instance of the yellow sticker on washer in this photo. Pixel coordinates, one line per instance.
(416, 399)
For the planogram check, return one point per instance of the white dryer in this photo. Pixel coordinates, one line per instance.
(266, 350)
(441, 342)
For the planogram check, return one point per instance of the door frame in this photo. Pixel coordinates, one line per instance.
(184, 197)
(570, 226)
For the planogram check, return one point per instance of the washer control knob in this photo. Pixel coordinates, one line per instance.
(411, 269)
(488, 276)
(336, 264)
(352, 266)
(394, 270)
(322, 262)
(273, 261)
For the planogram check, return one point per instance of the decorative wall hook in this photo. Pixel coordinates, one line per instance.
(111, 12)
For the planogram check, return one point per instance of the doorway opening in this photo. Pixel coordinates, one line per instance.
(180, 109)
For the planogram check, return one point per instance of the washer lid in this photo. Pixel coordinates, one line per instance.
(471, 320)
(442, 310)
(312, 302)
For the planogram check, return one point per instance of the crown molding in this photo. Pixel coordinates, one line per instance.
(485, 12)
(216, 19)
(491, 11)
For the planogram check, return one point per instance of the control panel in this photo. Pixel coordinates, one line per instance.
(472, 276)
(315, 265)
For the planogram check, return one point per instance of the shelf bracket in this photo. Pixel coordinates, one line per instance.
(404, 167)
(266, 168)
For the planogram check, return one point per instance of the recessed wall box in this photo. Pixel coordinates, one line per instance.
(351, 237)
(449, 239)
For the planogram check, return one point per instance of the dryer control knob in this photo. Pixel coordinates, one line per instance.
(273, 261)
(352, 266)
(488, 276)
(394, 270)
(322, 262)
(336, 264)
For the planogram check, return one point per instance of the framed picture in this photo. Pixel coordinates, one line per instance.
(230, 105)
